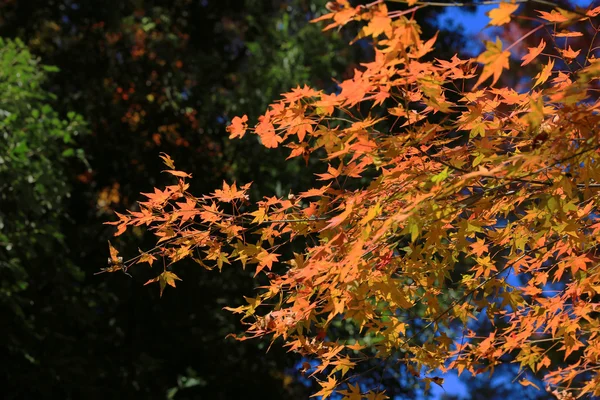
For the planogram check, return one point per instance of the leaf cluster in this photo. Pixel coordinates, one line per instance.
(476, 202)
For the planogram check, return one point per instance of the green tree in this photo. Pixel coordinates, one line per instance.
(36, 148)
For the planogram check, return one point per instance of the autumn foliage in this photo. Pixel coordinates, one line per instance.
(444, 197)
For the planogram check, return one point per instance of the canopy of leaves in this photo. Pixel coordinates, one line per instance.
(477, 202)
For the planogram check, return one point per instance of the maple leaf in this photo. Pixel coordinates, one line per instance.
(315, 192)
(527, 382)
(569, 34)
(501, 15)
(341, 17)
(378, 24)
(259, 215)
(423, 49)
(354, 90)
(479, 247)
(121, 223)
(331, 173)
(559, 15)
(533, 53)
(326, 388)
(266, 132)
(544, 73)
(337, 220)
(353, 393)
(569, 54)
(145, 216)
(158, 198)
(164, 279)
(376, 396)
(327, 103)
(229, 193)
(167, 160)
(265, 260)
(180, 174)
(494, 60)
(593, 12)
(238, 127)
(146, 258)
(210, 214)
(299, 93)
(300, 127)
(187, 210)
(115, 262)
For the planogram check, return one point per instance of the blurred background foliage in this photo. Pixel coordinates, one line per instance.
(81, 139)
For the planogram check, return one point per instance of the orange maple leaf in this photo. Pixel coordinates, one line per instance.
(559, 15)
(299, 93)
(501, 15)
(378, 24)
(337, 220)
(265, 260)
(533, 53)
(314, 192)
(593, 12)
(238, 127)
(479, 247)
(266, 131)
(187, 210)
(570, 54)
(331, 173)
(569, 34)
(355, 89)
(229, 193)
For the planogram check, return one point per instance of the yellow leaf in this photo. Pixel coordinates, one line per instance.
(501, 15)
(545, 73)
(376, 396)
(494, 60)
(180, 174)
(115, 262)
(164, 279)
(167, 160)
(371, 214)
(146, 258)
(327, 388)
(353, 393)
(527, 382)
(259, 216)
(114, 254)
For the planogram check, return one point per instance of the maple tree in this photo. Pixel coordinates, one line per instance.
(440, 192)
